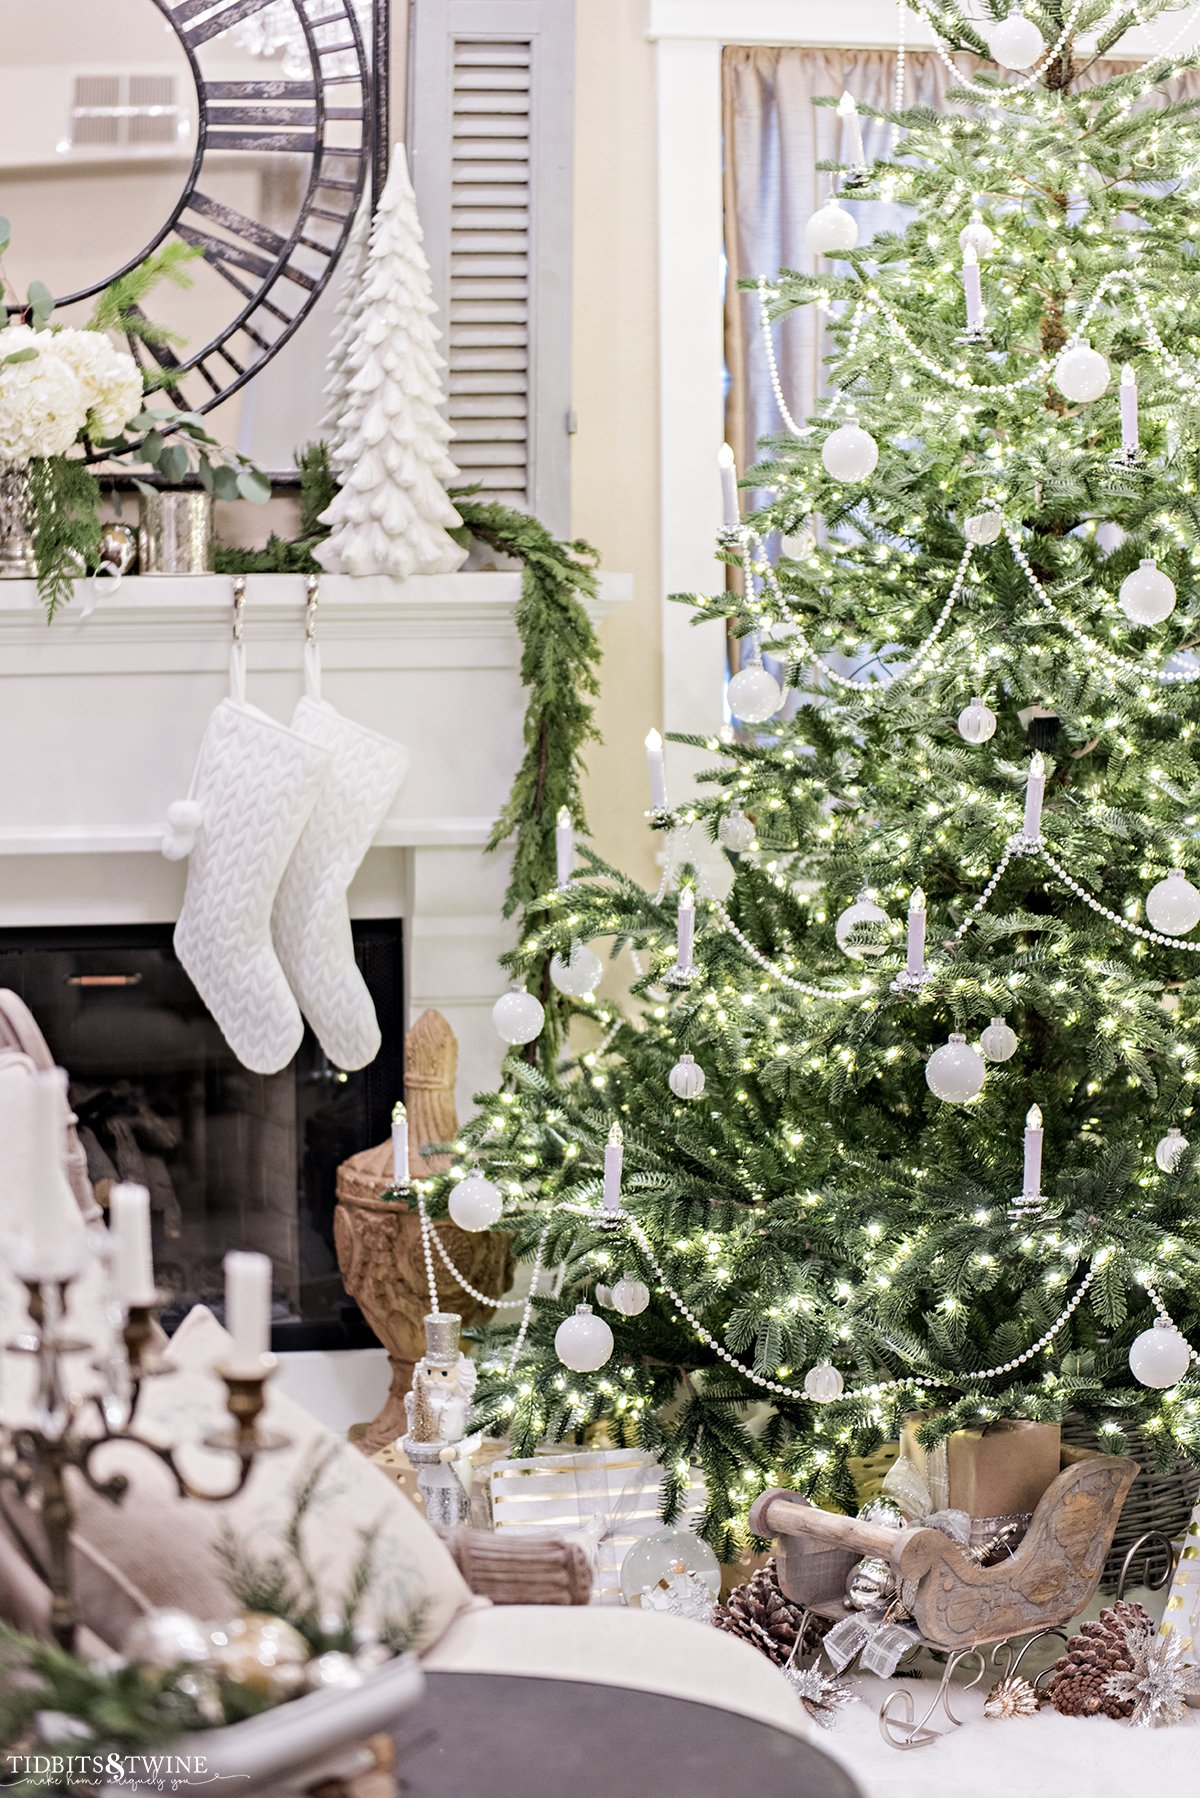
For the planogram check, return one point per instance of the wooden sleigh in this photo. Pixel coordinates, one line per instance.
(958, 1607)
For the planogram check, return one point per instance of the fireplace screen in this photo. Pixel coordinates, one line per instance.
(231, 1159)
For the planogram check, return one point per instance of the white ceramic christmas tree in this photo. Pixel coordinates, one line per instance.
(392, 514)
(346, 331)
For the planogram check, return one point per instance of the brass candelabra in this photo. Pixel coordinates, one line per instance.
(69, 1430)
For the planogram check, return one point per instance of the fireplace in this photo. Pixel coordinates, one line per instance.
(232, 1159)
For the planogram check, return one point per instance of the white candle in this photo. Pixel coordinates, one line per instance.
(1035, 787)
(614, 1155)
(56, 1241)
(851, 132)
(1032, 1184)
(687, 928)
(916, 932)
(657, 765)
(972, 289)
(248, 1310)
(400, 1170)
(129, 1221)
(1129, 410)
(731, 510)
(564, 845)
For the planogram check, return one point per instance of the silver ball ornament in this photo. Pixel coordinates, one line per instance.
(849, 453)
(579, 975)
(863, 911)
(976, 722)
(823, 1383)
(1159, 1357)
(1173, 905)
(831, 230)
(999, 1041)
(333, 1671)
(630, 1296)
(518, 1016)
(1081, 373)
(1147, 595)
(686, 1079)
(118, 547)
(870, 1584)
(736, 831)
(167, 1638)
(475, 1204)
(583, 1342)
(1173, 1145)
(263, 1653)
(1016, 42)
(977, 236)
(955, 1072)
(754, 694)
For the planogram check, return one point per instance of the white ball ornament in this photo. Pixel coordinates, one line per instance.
(579, 975)
(583, 1342)
(518, 1016)
(686, 1079)
(823, 1383)
(863, 911)
(831, 230)
(475, 1204)
(1081, 373)
(983, 527)
(1173, 906)
(630, 1296)
(1159, 1357)
(1147, 594)
(754, 694)
(955, 1072)
(1016, 42)
(999, 1041)
(849, 453)
(736, 831)
(1169, 1150)
(977, 236)
(976, 722)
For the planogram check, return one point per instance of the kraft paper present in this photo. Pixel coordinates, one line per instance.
(1000, 1471)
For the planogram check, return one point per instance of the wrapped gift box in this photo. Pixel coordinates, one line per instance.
(993, 1474)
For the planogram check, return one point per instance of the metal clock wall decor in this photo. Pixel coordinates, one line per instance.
(328, 130)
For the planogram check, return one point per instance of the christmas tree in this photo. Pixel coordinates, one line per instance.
(904, 1112)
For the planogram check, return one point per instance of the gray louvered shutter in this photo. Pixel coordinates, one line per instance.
(490, 121)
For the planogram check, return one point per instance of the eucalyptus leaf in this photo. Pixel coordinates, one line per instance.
(225, 480)
(153, 446)
(254, 486)
(5, 234)
(204, 470)
(173, 463)
(41, 301)
(27, 355)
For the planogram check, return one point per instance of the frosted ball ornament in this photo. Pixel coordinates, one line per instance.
(999, 1041)
(754, 694)
(583, 1342)
(1159, 1357)
(977, 236)
(1173, 906)
(849, 453)
(736, 831)
(518, 1016)
(579, 975)
(831, 230)
(686, 1079)
(629, 1296)
(1169, 1150)
(1147, 595)
(1081, 373)
(1016, 42)
(955, 1072)
(823, 1383)
(863, 911)
(983, 527)
(475, 1204)
(976, 722)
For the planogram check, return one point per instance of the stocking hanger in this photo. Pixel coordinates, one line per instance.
(312, 650)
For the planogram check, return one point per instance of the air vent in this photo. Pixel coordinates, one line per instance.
(125, 112)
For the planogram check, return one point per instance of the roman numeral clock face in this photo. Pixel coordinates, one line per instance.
(276, 175)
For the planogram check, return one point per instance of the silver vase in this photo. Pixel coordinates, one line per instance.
(17, 559)
(175, 533)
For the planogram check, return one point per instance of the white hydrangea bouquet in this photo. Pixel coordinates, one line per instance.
(66, 389)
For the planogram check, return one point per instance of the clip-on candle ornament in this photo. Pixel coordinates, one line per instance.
(656, 766)
(1130, 444)
(915, 972)
(564, 847)
(684, 971)
(1029, 1204)
(973, 290)
(731, 511)
(401, 1173)
(853, 153)
(1035, 790)
(614, 1156)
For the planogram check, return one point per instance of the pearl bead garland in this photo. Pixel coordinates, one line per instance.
(1027, 80)
(430, 1240)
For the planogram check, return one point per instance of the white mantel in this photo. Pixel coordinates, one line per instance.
(101, 718)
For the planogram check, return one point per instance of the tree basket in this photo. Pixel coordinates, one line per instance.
(1158, 1503)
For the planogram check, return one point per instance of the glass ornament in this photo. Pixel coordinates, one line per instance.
(823, 1383)
(1081, 373)
(870, 1584)
(629, 1296)
(1159, 1357)
(652, 1559)
(849, 453)
(579, 975)
(863, 911)
(518, 1016)
(1173, 905)
(977, 236)
(831, 230)
(603, 1294)
(166, 1639)
(1172, 1146)
(1016, 42)
(999, 1041)
(983, 527)
(583, 1342)
(977, 722)
(754, 694)
(475, 1204)
(1147, 595)
(686, 1079)
(955, 1072)
(736, 831)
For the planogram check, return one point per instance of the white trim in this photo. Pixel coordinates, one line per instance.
(403, 833)
(851, 24)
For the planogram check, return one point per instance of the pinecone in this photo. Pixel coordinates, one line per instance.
(758, 1612)
(1077, 1686)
